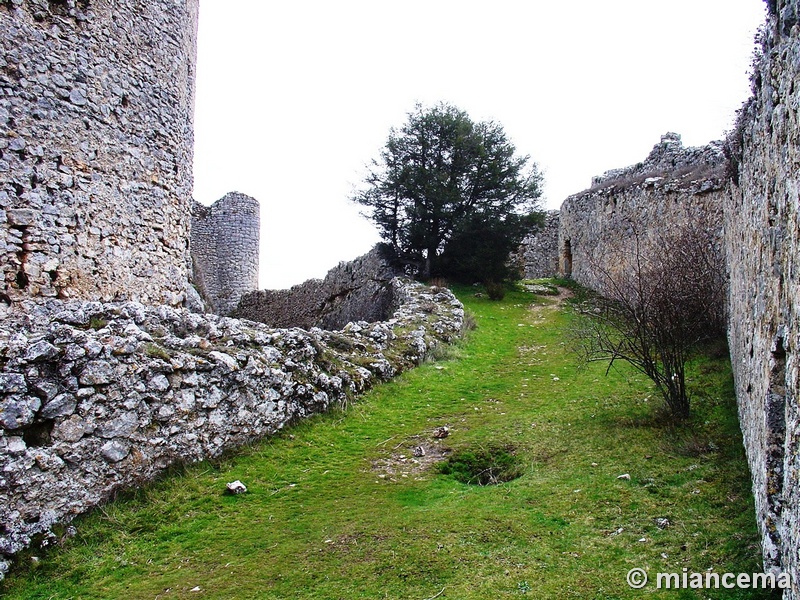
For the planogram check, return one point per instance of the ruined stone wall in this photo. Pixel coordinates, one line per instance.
(537, 257)
(99, 397)
(96, 101)
(672, 187)
(224, 248)
(359, 290)
(763, 248)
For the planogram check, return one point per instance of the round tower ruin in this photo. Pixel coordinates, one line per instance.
(96, 103)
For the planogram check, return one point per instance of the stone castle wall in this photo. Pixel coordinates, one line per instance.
(100, 397)
(358, 290)
(673, 187)
(224, 249)
(96, 103)
(754, 207)
(102, 383)
(763, 252)
(537, 257)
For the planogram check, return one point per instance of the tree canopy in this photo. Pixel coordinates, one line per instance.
(450, 195)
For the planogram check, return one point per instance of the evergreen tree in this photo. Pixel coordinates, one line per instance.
(450, 196)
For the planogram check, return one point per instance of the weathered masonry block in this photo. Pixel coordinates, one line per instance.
(96, 102)
(224, 247)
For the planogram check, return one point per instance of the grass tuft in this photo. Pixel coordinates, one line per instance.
(491, 465)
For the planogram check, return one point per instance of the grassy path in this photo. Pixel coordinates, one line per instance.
(337, 507)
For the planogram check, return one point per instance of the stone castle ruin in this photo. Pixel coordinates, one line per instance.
(107, 376)
(96, 154)
(116, 357)
(357, 290)
(224, 248)
(537, 257)
(673, 187)
(747, 194)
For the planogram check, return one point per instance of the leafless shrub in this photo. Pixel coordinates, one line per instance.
(661, 296)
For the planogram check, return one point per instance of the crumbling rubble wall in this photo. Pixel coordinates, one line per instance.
(99, 397)
(630, 208)
(358, 290)
(537, 257)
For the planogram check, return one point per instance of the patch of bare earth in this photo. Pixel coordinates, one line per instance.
(414, 456)
(532, 354)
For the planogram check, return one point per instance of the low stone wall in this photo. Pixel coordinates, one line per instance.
(763, 251)
(673, 187)
(358, 290)
(100, 397)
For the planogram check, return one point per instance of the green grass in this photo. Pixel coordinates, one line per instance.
(336, 507)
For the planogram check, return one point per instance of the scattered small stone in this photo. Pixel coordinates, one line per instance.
(662, 523)
(235, 488)
(196, 588)
(625, 476)
(441, 432)
(419, 451)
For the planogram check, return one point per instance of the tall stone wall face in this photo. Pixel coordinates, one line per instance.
(640, 204)
(96, 101)
(538, 255)
(224, 248)
(763, 248)
(359, 290)
(99, 397)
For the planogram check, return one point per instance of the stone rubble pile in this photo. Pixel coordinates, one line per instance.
(670, 160)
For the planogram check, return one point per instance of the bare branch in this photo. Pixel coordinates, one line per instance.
(661, 295)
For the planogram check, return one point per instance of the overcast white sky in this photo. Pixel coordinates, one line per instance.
(294, 98)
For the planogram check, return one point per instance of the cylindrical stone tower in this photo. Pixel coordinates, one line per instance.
(225, 238)
(96, 103)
